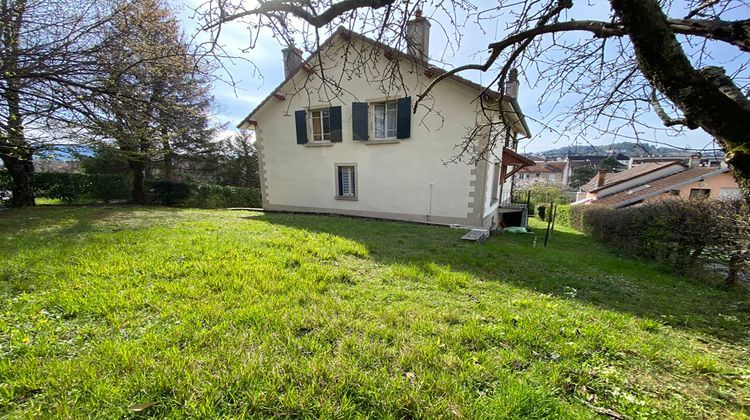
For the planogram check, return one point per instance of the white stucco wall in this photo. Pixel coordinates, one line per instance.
(405, 180)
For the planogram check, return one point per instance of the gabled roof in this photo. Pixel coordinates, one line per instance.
(436, 71)
(658, 186)
(627, 175)
(545, 166)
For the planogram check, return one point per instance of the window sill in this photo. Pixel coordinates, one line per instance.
(338, 197)
(319, 144)
(383, 141)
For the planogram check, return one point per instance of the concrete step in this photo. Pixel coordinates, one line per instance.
(476, 235)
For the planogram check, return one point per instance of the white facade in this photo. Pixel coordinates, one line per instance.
(406, 179)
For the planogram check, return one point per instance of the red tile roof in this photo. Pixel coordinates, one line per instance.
(545, 166)
(669, 182)
(618, 177)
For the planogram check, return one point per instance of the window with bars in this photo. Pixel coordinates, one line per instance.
(385, 120)
(346, 182)
(320, 122)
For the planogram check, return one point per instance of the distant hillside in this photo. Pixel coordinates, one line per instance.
(626, 148)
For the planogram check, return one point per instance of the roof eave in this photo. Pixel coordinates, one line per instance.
(351, 34)
(669, 187)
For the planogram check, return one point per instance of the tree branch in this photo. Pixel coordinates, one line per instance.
(316, 20)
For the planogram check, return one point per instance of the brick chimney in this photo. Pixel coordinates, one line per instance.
(694, 160)
(601, 177)
(418, 37)
(292, 59)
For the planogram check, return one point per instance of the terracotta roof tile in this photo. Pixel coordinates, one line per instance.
(618, 177)
(542, 166)
(667, 183)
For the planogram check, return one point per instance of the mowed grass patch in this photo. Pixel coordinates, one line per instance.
(214, 313)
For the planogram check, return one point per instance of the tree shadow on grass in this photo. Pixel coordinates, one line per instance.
(572, 266)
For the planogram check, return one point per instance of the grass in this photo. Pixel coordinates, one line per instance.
(194, 313)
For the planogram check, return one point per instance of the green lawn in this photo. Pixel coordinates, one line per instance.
(218, 313)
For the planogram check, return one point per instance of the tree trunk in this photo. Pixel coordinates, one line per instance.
(705, 97)
(14, 149)
(168, 161)
(22, 173)
(139, 196)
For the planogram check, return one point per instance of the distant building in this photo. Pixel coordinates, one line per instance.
(592, 161)
(704, 161)
(546, 172)
(57, 166)
(654, 181)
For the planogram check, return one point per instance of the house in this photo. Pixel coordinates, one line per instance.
(572, 162)
(706, 161)
(57, 166)
(358, 149)
(653, 181)
(545, 172)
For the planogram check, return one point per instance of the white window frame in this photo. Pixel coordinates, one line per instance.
(355, 194)
(387, 102)
(323, 137)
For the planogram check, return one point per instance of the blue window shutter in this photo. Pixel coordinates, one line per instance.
(335, 115)
(359, 121)
(300, 120)
(403, 125)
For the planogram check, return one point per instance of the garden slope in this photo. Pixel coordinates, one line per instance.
(217, 313)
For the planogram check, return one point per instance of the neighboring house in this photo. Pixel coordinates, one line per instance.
(649, 182)
(360, 150)
(705, 161)
(57, 166)
(545, 172)
(573, 162)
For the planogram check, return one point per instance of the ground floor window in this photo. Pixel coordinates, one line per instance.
(346, 181)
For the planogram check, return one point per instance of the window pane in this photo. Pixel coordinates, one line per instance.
(316, 126)
(326, 125)
(379, 127)
(346, 180)
(391, 119)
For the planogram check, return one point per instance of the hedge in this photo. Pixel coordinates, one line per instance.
(562, 217)
(685, 234)
(203, 195)
(72, 188)
(541, 211)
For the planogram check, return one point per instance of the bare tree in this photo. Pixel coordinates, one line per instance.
(642, 58)
(46, 63)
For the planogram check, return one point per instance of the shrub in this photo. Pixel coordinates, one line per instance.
(168, 192)
(576, 217)
(203, 195)
(563, 215)
(109, 187)
(216, 196)
(71, 188)
(541, 211)
(683, 233)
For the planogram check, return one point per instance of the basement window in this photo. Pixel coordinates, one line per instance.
(346, 182)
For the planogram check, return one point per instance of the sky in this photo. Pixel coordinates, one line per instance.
(244, 81)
